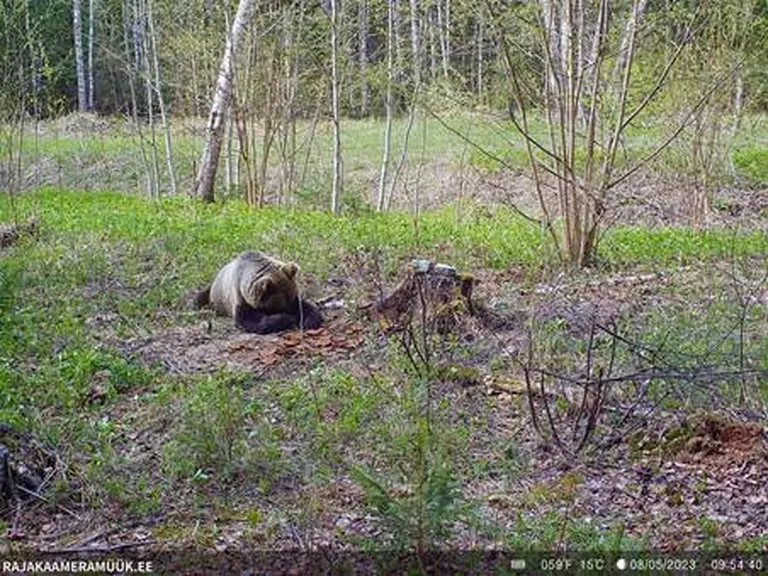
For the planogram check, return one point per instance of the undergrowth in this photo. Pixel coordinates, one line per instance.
(133, 262)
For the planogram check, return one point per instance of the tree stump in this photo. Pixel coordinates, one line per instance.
(434, 295)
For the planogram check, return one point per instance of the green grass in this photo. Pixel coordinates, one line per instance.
(192, 234)
(106, 253)
(677, 245)
(752, 164)
(115, 158)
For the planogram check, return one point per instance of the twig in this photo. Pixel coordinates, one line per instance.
(551, 420)
(48, 501)
(95, 536)
(594, 412)
(683, 125)
(99, 549)
(585, 391)
(531, 407)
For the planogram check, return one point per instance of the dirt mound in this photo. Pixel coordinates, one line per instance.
(715, 441)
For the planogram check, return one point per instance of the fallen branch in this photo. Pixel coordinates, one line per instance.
(99, 549)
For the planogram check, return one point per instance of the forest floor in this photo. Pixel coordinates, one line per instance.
(158, 427)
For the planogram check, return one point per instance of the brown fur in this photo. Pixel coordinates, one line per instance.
(260, 293)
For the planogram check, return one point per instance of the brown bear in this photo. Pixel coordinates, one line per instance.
(260, 293)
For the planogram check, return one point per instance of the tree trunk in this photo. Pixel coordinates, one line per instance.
(147, 74)
(415, 41)
(129, 35)
(336, 191)
(738, 97)
(91, 25)
(396, 31)
(287, 142)
(206, 176)
(554, 67)
(77, 21)
(160, 101)
(380, 201)
(629, 30)
(432, 47)
(447, 36)
(480, 42)
(362, 31)
(442, 29)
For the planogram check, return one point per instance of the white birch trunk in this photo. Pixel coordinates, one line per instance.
(362, 31)
(480, 42)
(380, 201)
(131, 71)
(160, 101)
(396, 29)
(77, 23)
(554, 68)
(91, 26)
(337, 187)
(447, 36)
(415, 41)
(150, 103)
(206, 175)
(629, 30)
(441, 30)
(432, 47)
(738, 97)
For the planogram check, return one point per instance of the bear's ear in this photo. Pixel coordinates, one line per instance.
(290, 270)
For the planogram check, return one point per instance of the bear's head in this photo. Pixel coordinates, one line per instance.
(276, 291)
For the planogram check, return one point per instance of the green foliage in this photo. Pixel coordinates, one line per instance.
(419, 515)
(332, 410)
(220, 433)
(418, 495)
(556, 531)
(752, 163)
(499, 160)
(184, 232)
(710, 530)
(130, 262)
(758, 544)
(667, 246)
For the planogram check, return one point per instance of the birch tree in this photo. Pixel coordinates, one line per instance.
(431, 19)
(160, 100)
(415, 41)
(217, 118)
(444, 32)
(480, 55)
(363, 32)
(130, 40)
(416, 54)
(381, 198)
(336, 191)
(91, 29)
(141, 22)
(77, 24)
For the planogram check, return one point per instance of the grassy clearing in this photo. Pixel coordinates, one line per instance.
(114, 156)
(224, 448)
(110, 252)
